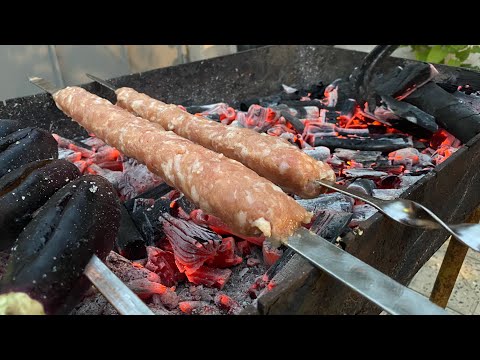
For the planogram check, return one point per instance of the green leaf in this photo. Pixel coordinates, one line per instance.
(475, 49)
(421, 52)
(455, 48)
(454, 62)
(437, 54)
(462, 55)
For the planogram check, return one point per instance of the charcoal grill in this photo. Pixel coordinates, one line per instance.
(452, 190)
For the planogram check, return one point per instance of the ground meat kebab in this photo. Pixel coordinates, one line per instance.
(250, 204)
(269, 156)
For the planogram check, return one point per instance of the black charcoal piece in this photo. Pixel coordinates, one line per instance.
(332, 201)
(330, 224)
(386, 144)
(456, 117)
(364, 186)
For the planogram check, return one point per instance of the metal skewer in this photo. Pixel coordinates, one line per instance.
(411, 213)
(117, 293)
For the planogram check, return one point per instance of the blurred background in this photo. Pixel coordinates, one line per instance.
(66, 64)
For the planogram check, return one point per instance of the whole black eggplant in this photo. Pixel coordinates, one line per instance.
(50, 255)
(8, 126)
(25, 189)
(24, 146)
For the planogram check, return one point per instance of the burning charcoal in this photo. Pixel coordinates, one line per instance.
(185, 204)
(313, 128)
(225, 256)
(387, 194)
(243, 248)
(369, 173)
(73, 145)
(26, 189)
(224, 113)
(24, 146)
(157, 306)
(69, 155)
(197, 308)
(145, 288)
(300, 112)
(168, 299)
(363, 186)
(81, 166)
(270, 253)
(211, 277)
(297, 103)
(8, 126)
(443, 138)
(410, 113)
(137, 179)
(106, 153)
(49, 256)
(391, 169)
(347, 109)
(389, 182)
(252, 261)
(333, 201)
(320, 153)
(362, 213)
(330, 224)
(407, 80)
(358, 156)
(154, 193)
(362, 132)
(112, 165)
(260, 283)
(295, 122)
(129, 242)
(407, 157)
(258, 118)
(407, 181)
(192, 244)
(140, 280)
(93, 142)
(450, 113)
(385, 144)
(335, 161)
(145, 214)
(114, 177)
(201, 293)
(282, 131)
(226, 303)
(331, 93)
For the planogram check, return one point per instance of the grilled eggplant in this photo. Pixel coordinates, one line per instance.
(24, 146)
(8, 126)
(25, 189)
(50, 255)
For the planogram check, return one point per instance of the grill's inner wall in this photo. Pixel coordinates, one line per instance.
(452, 190)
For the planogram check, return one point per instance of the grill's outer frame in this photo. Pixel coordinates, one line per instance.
(452, 190)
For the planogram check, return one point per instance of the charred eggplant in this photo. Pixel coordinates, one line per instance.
(50, 255)
(24, 146)
(8, 126)
(25, 189)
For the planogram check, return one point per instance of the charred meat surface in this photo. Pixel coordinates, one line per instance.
(25, 189)
(24, 146)
(50, 255)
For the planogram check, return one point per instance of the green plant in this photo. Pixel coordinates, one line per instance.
(453, 55)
